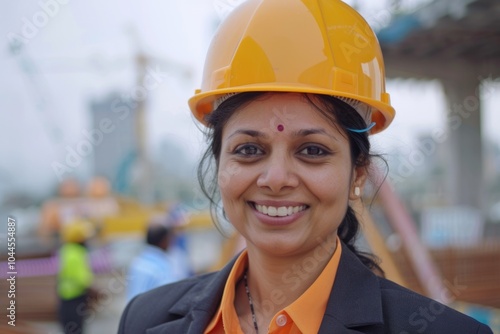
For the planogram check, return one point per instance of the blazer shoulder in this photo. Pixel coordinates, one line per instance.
(151, 308)
(411, 311)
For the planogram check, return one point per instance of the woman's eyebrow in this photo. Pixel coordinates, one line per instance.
(314, 131)
(251, 133)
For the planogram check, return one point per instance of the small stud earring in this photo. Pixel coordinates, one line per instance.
(357, 191)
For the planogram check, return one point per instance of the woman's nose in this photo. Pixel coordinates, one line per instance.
(278, 173)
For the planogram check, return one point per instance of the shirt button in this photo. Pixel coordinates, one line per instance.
(281, 320)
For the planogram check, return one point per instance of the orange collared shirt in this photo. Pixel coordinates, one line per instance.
(303, 316)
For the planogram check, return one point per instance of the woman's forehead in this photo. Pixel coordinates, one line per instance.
(280, 113)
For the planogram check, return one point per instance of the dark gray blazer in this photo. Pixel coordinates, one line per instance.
(360, 302)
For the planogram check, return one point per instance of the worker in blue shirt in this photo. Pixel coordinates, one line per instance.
(152, 267)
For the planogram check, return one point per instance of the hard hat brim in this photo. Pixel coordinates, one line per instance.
(202, 103)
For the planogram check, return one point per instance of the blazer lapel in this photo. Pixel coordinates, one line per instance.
(194, 322)
(355, 303)
(193, 313)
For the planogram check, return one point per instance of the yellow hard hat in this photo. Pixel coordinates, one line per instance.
(77, 231)
(304, 46)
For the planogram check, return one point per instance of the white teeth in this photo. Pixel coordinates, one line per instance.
(281, 211)
(272, 211)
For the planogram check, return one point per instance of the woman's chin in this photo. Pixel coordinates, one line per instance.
(277, 245)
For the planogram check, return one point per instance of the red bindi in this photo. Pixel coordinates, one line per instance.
(281, 127)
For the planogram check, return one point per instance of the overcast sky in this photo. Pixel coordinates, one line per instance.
(75, 52)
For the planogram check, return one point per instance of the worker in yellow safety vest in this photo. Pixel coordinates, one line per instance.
(75, 275)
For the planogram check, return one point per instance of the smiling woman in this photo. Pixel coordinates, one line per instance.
(291, 91)
(306, 169)
(322, 166)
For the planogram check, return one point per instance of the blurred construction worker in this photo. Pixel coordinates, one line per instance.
(74, 281)
(176, 219)
(58, 211)
(152, 267)
(100, 202)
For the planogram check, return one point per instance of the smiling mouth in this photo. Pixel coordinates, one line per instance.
(281, 211)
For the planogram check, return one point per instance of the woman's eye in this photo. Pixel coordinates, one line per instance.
(313, 151)
(248, 150)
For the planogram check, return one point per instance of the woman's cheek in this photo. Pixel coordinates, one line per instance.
(228, 172)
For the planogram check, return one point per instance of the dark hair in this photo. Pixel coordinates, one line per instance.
(156, 234)
(341, 114)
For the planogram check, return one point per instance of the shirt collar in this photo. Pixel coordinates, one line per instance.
(306, 312)
(226, 314)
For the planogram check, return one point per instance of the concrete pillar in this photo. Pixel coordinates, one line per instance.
(464, 169)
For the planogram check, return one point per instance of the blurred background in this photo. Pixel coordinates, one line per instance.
(95, 125)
